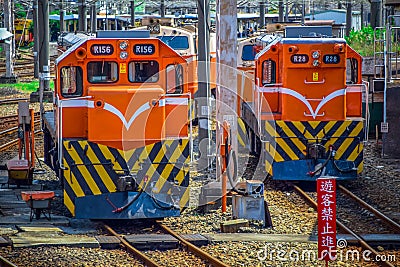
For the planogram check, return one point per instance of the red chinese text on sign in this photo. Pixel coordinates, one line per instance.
(326, 198)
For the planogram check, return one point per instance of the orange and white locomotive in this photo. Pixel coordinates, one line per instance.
(306, 115)
(118, 135)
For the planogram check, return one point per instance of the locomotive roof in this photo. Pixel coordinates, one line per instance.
(82, 41)
(315, 40)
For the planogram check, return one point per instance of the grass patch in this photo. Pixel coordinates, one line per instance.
(26, 87)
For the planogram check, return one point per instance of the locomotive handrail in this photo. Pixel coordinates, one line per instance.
(60, 124)
(317, 82)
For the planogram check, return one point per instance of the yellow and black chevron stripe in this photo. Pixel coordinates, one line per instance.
(287, 140)
(93, 169)
(242, 133)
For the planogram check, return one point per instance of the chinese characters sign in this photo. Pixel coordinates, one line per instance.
(326, 197)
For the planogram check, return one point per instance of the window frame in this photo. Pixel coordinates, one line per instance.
(273, 72)
(147, 80)
(178, 84)
(102, 82)
(78, 82)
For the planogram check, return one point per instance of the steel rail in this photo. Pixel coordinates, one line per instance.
(389, 222)
(12, 100)
(6, 263)
(13, 129)
(141, 256)
(192, 248)
(13, 142)
(362, 242)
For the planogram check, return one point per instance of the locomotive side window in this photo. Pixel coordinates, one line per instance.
(249, 52)
(71, 81)
(352, 71)
(174, 79)
(175, 41)
(143, 71)
(102, 72)
(268, 72)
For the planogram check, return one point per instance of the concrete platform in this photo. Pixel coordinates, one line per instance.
(48, 235)
(108, 242)
(15, 211)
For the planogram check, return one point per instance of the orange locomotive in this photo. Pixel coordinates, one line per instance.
(306, 114)
(118, 135)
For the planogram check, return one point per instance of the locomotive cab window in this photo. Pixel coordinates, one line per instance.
(174, 79)
(268, 72)
(71, 81)
(143, 71)
(249, 52)
(102, 72)
(351, 71)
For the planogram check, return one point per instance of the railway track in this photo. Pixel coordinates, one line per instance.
(5, 263)
(12, 101)
(342, 226)
(201, 254)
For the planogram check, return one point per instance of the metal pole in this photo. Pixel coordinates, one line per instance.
(375, 13)
(43, 33)
(303, 11)
(9, 25)
(82, 23)
(62, 16)
(280, 7)
(387, 78)
(93, 16)
(348, 17)
(287, 11)
(36, 40)
(133, 14)
(226, 105)
(262, 14)
(362, 14)
(202, 95)
(162, 9)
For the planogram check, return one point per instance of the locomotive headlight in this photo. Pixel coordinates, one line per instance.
(315, 55)
(123, 55)
(316, 63)
(123, 45)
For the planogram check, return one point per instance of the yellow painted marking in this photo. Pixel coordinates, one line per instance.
(295, 140)
(185, 198)
(243, 128)
(108, 182)
(344, 146)
(315, 76)
(357, 150)
(360, 167)
(69, 204)
(301, 128)
(163, 177)
(339, 132)
(85, 173)
(281, 142)
(268, 167)
(122, 67)
(108, 155)
(71, 180)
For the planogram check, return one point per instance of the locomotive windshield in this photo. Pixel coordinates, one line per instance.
(143, 71)
(175, 42)
(102, 72)
(248, 52)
